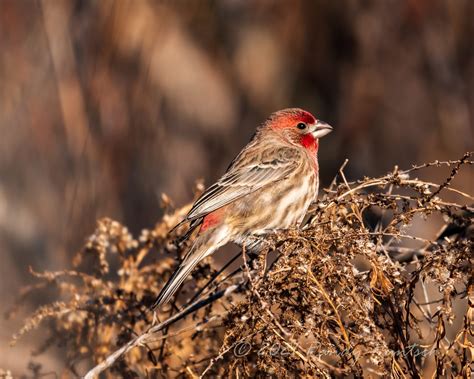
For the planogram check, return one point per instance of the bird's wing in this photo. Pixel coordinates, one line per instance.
(247, 173)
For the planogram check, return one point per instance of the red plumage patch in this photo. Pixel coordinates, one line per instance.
(309, 142)
(290, 118)
(306, 117)
(211, 220)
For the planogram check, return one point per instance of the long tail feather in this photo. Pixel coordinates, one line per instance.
(199, 250)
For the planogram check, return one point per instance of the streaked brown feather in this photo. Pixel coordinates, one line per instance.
(251, 171)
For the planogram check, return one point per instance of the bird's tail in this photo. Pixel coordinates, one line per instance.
(202, 248)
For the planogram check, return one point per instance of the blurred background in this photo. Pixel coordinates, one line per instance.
(105, 105)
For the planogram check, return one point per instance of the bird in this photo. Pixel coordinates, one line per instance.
(268, 186)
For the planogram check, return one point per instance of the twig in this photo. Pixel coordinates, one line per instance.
(142, 339)
(213, 277)
(450, 178)
(328, 299)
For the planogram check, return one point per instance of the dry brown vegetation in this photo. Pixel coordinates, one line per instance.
(355, 292)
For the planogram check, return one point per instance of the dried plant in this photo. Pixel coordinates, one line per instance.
(354, 292)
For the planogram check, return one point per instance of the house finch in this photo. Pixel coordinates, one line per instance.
(268, 186)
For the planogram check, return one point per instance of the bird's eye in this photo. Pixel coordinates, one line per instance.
(301, 126)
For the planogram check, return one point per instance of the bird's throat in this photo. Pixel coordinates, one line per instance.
(310, 143)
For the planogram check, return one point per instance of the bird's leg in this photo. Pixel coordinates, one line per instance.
(252, 247)
(253, 243)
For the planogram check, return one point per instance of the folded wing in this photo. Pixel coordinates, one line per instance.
(244, 176)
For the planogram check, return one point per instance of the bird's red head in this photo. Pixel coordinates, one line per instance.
(298, 127)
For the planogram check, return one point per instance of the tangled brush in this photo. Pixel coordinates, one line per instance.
(354, 292)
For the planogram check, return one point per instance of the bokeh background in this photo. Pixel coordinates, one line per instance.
(105, 105)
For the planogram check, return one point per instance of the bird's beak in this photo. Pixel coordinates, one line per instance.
(320, 129)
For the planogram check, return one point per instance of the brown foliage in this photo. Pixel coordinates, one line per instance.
(355, 291)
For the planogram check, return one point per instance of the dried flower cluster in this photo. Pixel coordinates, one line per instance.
(355, 292)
